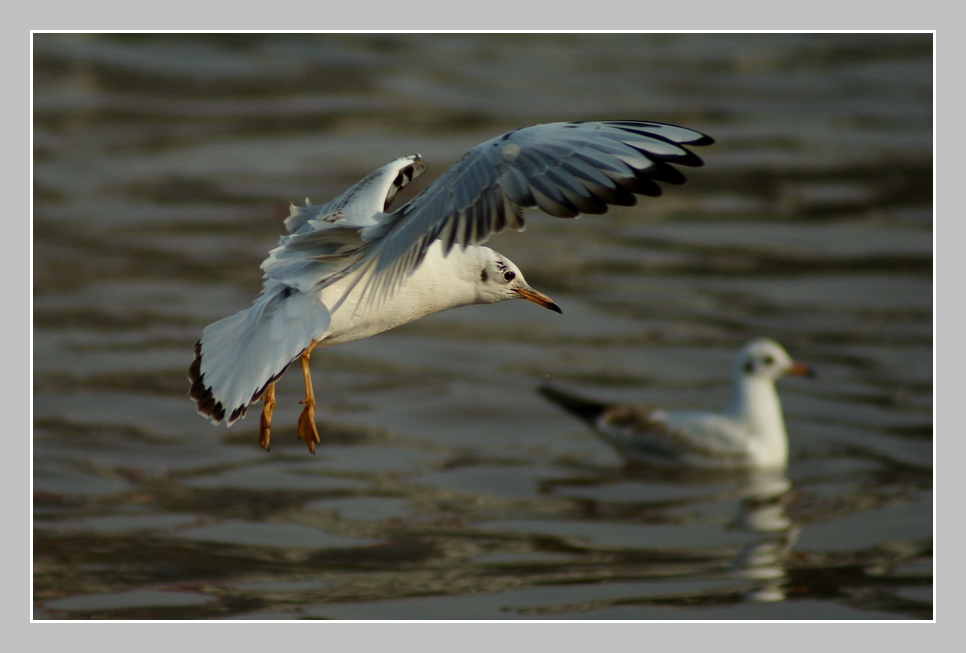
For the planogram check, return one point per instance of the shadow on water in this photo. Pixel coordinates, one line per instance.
(446, 488)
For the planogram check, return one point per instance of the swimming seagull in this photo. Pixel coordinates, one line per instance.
(749, 433)
(350, 269)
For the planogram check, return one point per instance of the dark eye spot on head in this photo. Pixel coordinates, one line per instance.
(509, 275)
(484, 276)
(749, 366)
(768, 360)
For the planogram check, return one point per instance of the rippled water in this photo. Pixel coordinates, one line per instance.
(446, 488)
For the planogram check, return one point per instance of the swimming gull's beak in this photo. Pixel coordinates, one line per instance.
(538, 297)
(800, 369)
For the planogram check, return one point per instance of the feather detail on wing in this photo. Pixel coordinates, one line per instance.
(369, 198)
(658, 436)
(238, 356)
(325, 239)
(563, 169)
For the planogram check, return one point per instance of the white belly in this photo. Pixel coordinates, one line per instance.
(431, 288)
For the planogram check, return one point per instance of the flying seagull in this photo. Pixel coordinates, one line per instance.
(351, 268)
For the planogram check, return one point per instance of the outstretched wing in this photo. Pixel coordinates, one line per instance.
(325, 239)
(564, 169)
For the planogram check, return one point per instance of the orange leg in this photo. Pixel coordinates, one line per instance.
(265, 426)
(307, 430)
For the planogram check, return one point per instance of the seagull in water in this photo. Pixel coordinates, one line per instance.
(350, 268)
(749, 434)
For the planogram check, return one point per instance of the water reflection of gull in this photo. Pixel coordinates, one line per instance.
(349, 269)
(762, 510)
(684, 535)
(749, 433)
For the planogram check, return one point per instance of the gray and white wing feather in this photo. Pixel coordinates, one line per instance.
(564, 169)
(682, 437)
(324, 240)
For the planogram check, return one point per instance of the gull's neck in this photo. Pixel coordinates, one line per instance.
(756, 405)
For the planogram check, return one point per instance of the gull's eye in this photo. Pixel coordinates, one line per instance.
(509, 275)
(768, 360)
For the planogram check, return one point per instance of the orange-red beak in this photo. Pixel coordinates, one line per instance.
(538, 298)
(800, 369)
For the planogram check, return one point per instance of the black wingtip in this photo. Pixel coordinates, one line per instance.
(704, 140)
(200, 393)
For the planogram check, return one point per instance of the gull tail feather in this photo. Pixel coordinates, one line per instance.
(588, 410)
(238, 356)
